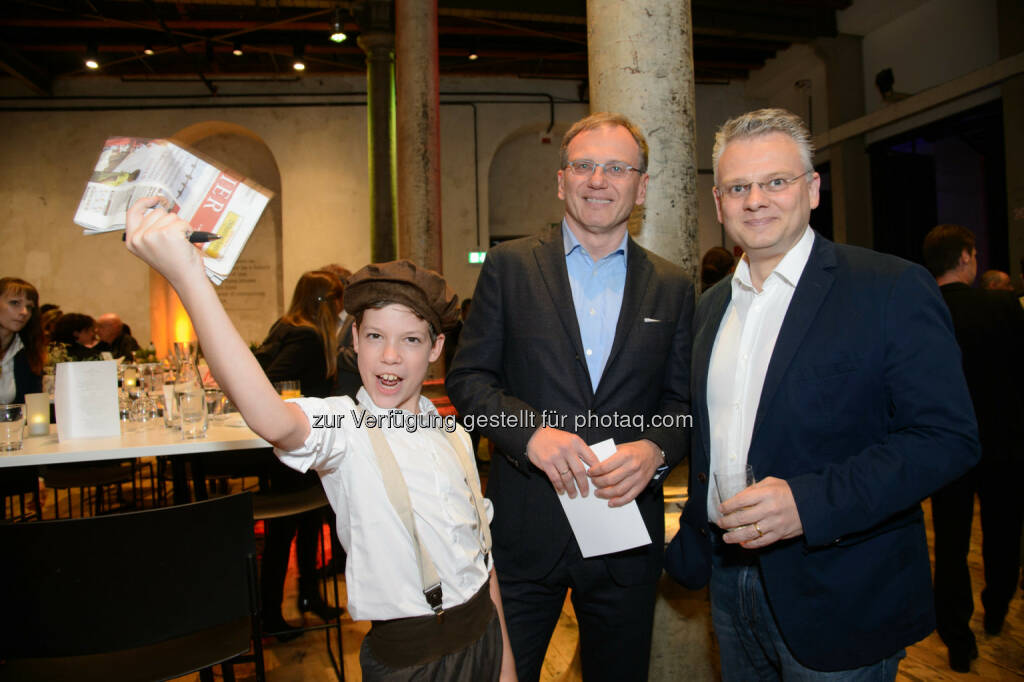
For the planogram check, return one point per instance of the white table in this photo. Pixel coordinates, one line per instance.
(145, 443)
(220, 437)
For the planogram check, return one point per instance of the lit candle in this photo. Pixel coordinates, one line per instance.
(37, 413)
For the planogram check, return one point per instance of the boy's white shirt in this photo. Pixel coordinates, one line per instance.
(382, 573)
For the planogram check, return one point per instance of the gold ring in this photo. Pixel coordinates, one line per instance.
(563, 473)
(758, 529)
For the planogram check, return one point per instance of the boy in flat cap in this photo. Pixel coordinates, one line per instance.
(399, 477)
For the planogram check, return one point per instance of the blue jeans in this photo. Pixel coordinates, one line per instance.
(749, 642)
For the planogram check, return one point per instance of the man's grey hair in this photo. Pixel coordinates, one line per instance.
(763, 122)
(600, 120)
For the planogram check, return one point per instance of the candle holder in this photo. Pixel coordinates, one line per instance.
(37, 413)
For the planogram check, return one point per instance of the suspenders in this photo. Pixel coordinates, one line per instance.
(398, 495)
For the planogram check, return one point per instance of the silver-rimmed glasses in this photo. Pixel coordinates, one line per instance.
(771, 185)
(584, 168)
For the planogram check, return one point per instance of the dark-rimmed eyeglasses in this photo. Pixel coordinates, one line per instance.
(584, 168)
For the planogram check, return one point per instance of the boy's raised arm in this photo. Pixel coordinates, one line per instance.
(160, 239)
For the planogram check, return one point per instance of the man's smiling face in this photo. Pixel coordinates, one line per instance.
(599, 204)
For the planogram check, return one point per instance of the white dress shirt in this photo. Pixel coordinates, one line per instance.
(739, 360)
(8, 389)
(382, 574)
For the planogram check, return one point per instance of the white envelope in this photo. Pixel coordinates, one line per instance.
(85, 400)
(600, 529)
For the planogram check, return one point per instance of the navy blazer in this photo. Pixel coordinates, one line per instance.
(864, 412)
(520, 353)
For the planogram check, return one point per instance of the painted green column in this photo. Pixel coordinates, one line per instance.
(380, 112)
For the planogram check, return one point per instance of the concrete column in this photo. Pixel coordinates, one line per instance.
(1011, 42)
(851, 168)
(380, 111)
(419, 133)
(641, 65)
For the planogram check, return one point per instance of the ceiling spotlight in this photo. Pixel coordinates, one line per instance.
(337, 27)
(92, 60)
(473, 56)
(237, 51)
(148, 50)
(299, 64)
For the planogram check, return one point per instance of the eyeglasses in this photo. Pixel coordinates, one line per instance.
(772, 186)
(617, 170)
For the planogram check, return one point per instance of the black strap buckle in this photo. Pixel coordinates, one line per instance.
(434, 599)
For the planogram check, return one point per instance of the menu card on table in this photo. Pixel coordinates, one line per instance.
(211, 197)
(85, 400)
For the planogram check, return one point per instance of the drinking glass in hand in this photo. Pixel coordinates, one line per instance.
(730, 483)
(12, 422)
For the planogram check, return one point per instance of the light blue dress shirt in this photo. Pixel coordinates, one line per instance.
(597, 296)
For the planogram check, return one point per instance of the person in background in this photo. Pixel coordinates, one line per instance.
(453, 337)
(78, 333)
(716, 264)
(996, 280)
(344, 322)
(116, 335)
(302, 346)
(346, 381)
(49, 322)
(989, 326)
(22, 346)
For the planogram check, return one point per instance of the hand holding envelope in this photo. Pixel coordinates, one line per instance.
(600, 529)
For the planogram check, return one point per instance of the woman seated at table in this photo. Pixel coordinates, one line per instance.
(78, 333)
(302, 346)
(22, 350)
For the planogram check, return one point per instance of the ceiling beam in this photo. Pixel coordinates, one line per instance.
(25, 70)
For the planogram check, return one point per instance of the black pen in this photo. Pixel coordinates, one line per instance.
(194, 237)
(202, 237)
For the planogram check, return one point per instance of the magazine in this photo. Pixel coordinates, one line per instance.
(211, 197)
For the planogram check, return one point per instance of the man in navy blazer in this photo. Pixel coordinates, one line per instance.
(577, 335)
(833, 372)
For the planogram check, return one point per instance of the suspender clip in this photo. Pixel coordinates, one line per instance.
(434, 599)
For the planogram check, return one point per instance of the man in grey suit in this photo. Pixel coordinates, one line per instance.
(578, 335)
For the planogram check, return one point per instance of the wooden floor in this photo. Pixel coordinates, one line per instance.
(1000, 658)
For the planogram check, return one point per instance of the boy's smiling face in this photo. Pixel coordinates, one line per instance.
(394, 350)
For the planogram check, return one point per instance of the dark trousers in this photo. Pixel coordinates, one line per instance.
(1002, 511)
(615, 621)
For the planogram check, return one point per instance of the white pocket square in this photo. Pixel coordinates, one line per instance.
(651, 319)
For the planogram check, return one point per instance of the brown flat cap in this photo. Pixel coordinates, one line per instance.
(402, 281)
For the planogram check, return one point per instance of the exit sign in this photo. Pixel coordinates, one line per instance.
(477, 257)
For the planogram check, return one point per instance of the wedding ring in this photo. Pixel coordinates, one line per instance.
(563, 473)
(758, 529)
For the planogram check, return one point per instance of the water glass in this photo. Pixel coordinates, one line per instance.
(730, 483)
(145, 412)
(215, 400)
(12, 423)
(288, 389)
(170, 403)
(192, 414)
